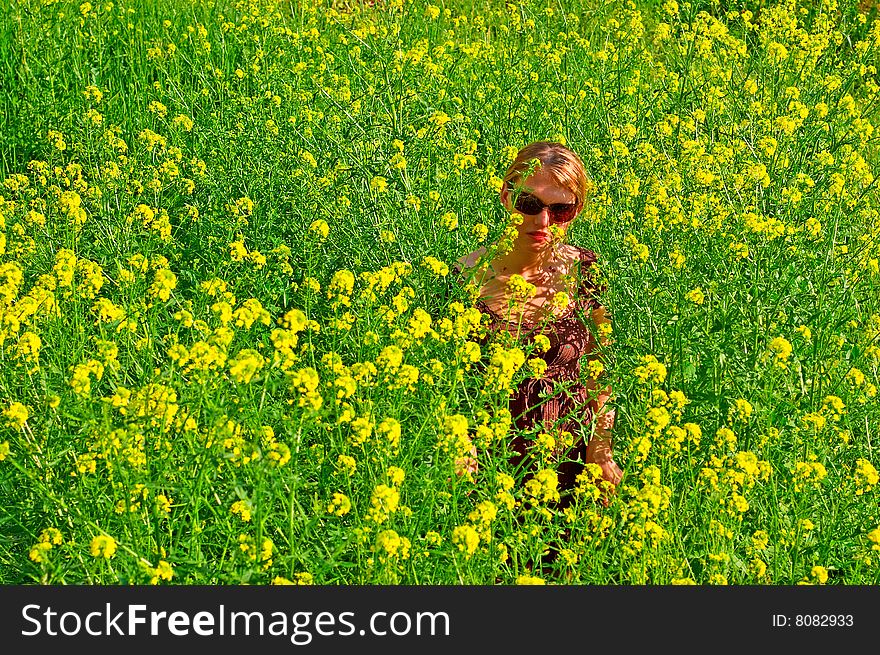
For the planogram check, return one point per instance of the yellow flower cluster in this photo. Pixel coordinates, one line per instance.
(639, 251)
(155, 220)
(162, 571)
(242, 509)
(461, 324)
(519, 289)
(543, 487)
(339, 505)
(103, 546)
(39, 552)
(16, 415)
(779, 349)
(503, 366)
(239, 252)
(245, 364)
(391, 546)
(384, 502)
(808, 475)
(248, 547)
(435, 266)
(466, 539)
(652, 371)
(340, 288)
(865, 477)
(154, 404)
(306, 381)
(81, 380)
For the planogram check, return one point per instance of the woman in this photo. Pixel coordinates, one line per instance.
(547, 185)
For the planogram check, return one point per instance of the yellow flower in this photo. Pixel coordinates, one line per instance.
(696, 296)
(163, 504)
(392, 545)
(467, 539)
(651, 371)
(383, 503)
(542, 342)
(529, 580)
(346, 464)
(544, 486)
(639, 250)
(480, 231)
(536, 367)
(741, 410)
(834, 406)
(780, 348)
(874, 538)
(243, 207)
(361, 429)
(16, 415)
(449, 221)
(245, 365)
(866, 476)
(503, 365)
(39, 552)
(395, 474)
(164, 282)
(809, 474)
(183, 121)
(103, 546)
(94, 93)
(163, 571)
(820, 573)
(739, 250)
(304, 578)
(435, 266)
(340, 505)
(320, 228)
(242, 509)
(560, 300)
(57, 140)
(519, 288)
(156, 107)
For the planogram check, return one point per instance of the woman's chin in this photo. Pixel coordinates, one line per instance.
(536, 243)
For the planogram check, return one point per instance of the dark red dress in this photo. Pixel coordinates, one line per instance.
(558, 401)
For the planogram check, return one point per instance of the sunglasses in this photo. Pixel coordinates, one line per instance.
(528, 204)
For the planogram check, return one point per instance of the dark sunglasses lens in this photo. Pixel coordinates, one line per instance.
(527, 204)
(563, 213)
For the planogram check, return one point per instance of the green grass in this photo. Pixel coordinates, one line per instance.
(708, 177)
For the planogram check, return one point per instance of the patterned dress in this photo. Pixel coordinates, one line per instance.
(557, 401)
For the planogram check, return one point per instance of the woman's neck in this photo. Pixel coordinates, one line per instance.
(520, 262)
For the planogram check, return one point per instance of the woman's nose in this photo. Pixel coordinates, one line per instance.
(543, 218)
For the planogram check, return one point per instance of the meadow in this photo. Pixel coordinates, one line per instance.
(232, 351)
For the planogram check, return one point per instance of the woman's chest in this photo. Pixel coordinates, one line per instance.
(531, 303)
(566, 340)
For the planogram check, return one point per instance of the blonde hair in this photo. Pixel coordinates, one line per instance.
(562, 164)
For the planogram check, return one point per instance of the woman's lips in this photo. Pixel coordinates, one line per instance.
(539, 236)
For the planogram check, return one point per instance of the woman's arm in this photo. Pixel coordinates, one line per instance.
(599, 446)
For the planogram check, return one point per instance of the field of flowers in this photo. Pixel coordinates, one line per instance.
(231, 350)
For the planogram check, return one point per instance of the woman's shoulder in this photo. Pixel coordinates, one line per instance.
(589, 289)
(583, 254)
(469, 261)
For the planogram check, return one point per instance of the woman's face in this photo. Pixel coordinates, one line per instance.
(534, 231)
